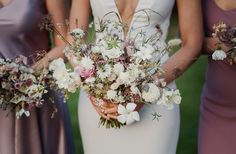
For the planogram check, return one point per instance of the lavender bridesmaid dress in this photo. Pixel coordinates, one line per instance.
(38, 134)
(217, 133)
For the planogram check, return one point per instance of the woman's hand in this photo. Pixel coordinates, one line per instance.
(41, 64)
(55, 53)
(108, 110)
(112, 112)
(211, 44)
(99, 107)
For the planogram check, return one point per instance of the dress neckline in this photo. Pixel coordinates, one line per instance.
(133, 16)
(7, 5)
(222, 9)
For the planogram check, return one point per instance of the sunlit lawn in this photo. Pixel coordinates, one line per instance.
(190, 85)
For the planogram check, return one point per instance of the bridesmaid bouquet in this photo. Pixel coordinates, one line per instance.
(226, 35)
(21, 88)
(118, 70)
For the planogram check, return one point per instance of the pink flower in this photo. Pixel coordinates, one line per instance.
(85, 73)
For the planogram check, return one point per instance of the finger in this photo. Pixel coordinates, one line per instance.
(98, 110)
(101, 114)
(110, 110)
(112, 116)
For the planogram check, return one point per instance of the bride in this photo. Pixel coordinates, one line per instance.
(146, 136)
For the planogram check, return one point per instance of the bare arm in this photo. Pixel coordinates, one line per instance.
(191, 30)
(80, 11)
(58, 9)
(80, 17)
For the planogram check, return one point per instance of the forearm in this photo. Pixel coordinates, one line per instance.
(179, 62)
(79, 18)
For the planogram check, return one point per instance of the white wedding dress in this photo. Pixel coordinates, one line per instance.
(147, 136)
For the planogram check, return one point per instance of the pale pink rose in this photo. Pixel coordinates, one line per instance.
(85, 73)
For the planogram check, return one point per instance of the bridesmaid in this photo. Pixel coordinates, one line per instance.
(21, 35)
(218, 103)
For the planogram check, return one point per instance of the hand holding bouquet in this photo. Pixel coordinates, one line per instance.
(120, 72)
(227, 36)
(21, 88)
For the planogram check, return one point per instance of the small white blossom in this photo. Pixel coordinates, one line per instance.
(118, 68)
(219, 55)
(17, 99)
(151, 94)
(90, 80)
(91, 25)
(115, 85)
(111, 94)
(78, 33)
(174, 42)
(113, 53)
(104, 72)
(134, 89)
(56, 64)
(87, 63)
(21, 112)
(145, 52)
(128, 115)
(96, 49)
(169, 98)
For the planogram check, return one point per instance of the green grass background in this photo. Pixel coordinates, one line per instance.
(190, 85)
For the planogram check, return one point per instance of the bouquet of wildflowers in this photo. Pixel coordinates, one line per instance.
(120, 70)
(226, 35)
(21, 88)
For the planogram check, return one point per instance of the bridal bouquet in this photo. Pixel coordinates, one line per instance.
(21, 88)
(227, 35)
(118, 70)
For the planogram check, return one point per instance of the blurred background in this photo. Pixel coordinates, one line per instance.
(190, 85)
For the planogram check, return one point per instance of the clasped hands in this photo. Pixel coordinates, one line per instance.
(107, 109)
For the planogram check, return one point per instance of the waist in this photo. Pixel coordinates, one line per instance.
(220, 82)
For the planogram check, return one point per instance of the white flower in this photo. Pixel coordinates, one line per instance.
(134, 89)
(145, 52)
(219, 55)
(78, 33)
(91, 25)
(104, 72)
(35, 91)
(174, 42)
(2, 61)
(169, 98)
(26, 76)
(87, 63)
(126, 78)
(90, 80)
(95, 49)
(120, 99)
(21, 112)
(112, 77)
(151, 93)
(128, 115)
(111, 94)
(57, 64)
(17, 99)
(118, 68)
(115, 85)
(59, 74)
(113, 53)
(73, 83)
(160, 45)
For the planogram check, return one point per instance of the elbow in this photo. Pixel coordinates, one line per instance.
(193, 45)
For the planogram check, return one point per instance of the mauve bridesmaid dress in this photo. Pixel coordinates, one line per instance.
(38, 134)
(217, 133)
